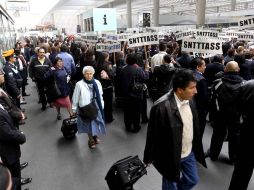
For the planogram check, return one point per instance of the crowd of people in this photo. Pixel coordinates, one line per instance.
(186, 91)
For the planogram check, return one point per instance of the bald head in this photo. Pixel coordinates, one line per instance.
(232, 66)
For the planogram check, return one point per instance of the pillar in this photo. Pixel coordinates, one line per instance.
(156, 5)
(200, 7)
(129, 14)
(233, 4)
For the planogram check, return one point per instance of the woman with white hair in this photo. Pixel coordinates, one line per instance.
(84, 92)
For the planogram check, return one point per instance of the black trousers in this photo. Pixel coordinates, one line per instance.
(202, 120)
(42, 94)
(108, 104)
(244, 165)
(15, 173)
(132, 111)
(144, 106)
(222, 127)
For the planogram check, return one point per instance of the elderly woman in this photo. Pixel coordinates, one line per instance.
(83, 94)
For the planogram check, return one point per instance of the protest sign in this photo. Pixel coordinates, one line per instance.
(143, 39)
(246, 22)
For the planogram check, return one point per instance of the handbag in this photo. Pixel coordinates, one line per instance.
(138, 87)
(89, 112)
(125, 172)
(52, 90)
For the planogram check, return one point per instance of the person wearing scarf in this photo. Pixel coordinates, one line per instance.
(82, 96)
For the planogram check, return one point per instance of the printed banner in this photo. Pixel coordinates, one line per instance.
(246, 22)
(102, 47)
(111, 38)
(202, 46)
(92, 38)
(246, 37)
(205, 34)
(123, 37)
(182, 35)
(143, 39)
(116, 47)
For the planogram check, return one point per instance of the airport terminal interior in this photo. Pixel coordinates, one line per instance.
(115, 27)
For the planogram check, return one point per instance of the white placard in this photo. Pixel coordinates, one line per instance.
(93, 38)
(246, 22)
(233, 34)
(205, 34)
(143, 39)
(116, 47)
(182, 35)
(204, 55)
(111, 38)
(102, 47)
(123, 37)
(246, 37)
(202, 46)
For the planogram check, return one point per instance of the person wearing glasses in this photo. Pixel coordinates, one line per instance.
(37, 68)
(13, 79)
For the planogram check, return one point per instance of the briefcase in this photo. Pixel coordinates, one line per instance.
(69, 127)
(124, 173)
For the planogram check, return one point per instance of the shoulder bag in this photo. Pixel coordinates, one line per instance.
(89, 112)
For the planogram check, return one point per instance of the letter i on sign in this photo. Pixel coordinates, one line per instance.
(105, 20)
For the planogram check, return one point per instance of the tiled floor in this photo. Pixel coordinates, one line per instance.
(57, 164)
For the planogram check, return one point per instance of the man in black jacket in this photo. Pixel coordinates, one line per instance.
(227, 118)
(245, 163)
(37, 68)
(173, 142)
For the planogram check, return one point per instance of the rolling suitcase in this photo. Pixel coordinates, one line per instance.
(124, 173)
(69, 127)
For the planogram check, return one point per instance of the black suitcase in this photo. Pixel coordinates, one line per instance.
(69, 127)
(124, 173)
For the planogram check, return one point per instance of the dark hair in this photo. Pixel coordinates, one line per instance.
(240, 59)
(56, 60)
(196, 62)
(131, 59)
(182, 78)
(4, 177)
(231, 52)
(167, 58)
(218, 58)
(63, 48)
(162, 46)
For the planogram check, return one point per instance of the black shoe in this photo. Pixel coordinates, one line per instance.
(144, 120)
(59, 117)
(43, 108)
(24, 181)
(23, 102)
(207, 153)
(23, 165)
(25, 94)
(22, 122)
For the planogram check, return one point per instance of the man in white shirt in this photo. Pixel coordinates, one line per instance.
(156, 60)
(173, 142)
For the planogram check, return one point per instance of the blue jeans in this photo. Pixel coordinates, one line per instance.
(189, 175)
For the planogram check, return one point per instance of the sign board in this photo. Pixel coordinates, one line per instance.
(182, 35)
(204, 55)
(92, 38)
(143, 39)
(18, 5)
(116, 47)
(246, 22)
(202, 46)
(205, 34)
(104, 19)
(246, 37)
(111, 37)
(102, 47)
(123, 37)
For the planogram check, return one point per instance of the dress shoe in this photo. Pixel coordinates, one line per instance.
(24, 181)
(23, 102)
(59, 117)
(43, 108)
(22, 122)
(25, 94)
(23, 165)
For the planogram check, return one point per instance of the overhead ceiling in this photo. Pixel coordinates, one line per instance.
(181, 7)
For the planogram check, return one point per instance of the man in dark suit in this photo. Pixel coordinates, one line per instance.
(245, 162)
(173, 142)
(9, 147)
